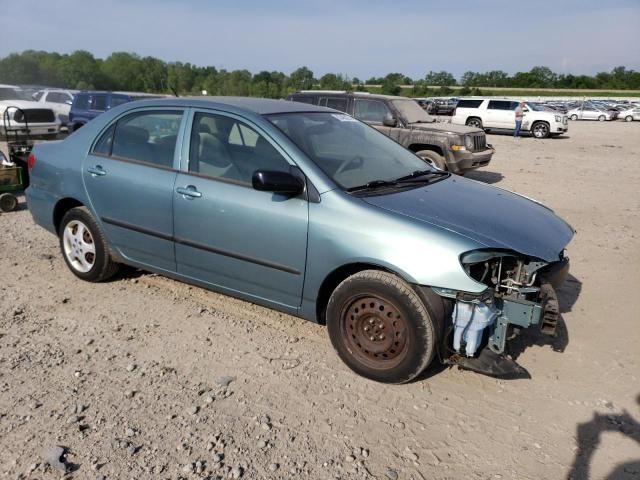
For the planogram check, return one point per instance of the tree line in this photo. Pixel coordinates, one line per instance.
(130, 72)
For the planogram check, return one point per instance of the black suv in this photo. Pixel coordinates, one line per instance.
(456, 148)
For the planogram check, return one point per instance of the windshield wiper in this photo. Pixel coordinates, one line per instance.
(373, 184)
(420, 173)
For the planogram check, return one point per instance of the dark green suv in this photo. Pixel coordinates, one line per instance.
(456, 148)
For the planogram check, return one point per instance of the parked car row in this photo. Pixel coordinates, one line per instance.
(44, 112)
(311, 212)
(601, 110)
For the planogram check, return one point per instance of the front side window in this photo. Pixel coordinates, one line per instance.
(148, 137)
(99, 103)
(37, 95)
(348, 151)
(370, 110)
(81, 102)
(225, 148)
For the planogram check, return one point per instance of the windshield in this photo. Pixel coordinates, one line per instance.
(348, 151)
(412, 112)
(536, 108)
(13, 94)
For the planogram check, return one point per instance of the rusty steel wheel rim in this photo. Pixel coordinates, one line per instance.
(375, 331)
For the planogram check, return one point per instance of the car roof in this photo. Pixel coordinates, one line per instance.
(260, 106)
(329, 93)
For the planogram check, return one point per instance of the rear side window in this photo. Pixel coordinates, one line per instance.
(148, 137)
(81, 102)
(499, 105)
(337, 103)
(469, 103)
(311, 100)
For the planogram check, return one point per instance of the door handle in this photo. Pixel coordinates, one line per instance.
(189, 191)
(97, 171)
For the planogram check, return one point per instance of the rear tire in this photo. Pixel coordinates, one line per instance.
(380, 327)
(628, 118)
(474, 122)
(433, 158)
(8, 202)
(84, 247)
(601, 118)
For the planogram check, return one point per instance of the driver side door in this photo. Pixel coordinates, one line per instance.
(227, 234)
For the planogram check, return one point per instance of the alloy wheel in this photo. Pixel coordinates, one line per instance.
(79, 247)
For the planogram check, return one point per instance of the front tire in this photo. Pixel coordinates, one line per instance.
(574, 117)
(628, 118)
(601, 118)
(84, 247)
(433, 158)
(380, 327)
(540, 130)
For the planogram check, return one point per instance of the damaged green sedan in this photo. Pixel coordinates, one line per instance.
(308, 211)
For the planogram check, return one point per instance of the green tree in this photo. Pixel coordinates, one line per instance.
(440, 79)
(300, 79)
(331, 81)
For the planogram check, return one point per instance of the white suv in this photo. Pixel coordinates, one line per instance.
(499, 115)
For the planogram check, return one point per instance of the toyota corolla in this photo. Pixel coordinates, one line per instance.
(308, 211)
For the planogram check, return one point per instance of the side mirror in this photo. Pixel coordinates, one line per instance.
(389, 120)
(277, 182)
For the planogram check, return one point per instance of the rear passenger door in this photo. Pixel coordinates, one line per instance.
(129, 176)
(500, 115)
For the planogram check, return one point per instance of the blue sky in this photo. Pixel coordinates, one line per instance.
(354, 37)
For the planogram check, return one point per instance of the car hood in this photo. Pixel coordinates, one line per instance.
(24, 104)
(445, 127)
(494, 217)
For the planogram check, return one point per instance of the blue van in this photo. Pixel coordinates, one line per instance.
(88, 105)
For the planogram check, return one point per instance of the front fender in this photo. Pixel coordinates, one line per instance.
(421, 254)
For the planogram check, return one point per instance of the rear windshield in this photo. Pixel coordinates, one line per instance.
(469, 103)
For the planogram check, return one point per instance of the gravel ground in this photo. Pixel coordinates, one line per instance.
(145, 377)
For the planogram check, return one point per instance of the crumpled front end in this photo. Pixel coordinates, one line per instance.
(520, 294)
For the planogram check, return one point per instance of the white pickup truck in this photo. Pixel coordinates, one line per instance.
(499, 115)
(20, 115)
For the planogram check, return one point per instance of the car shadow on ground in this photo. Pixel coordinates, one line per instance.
(485, 176)
(527, 135)
(568, 294)
(588, 437)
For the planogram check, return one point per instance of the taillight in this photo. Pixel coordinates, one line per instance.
(31, 161)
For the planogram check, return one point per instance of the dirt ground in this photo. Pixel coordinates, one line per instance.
(145, 377)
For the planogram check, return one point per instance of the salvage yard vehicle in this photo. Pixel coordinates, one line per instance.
(457, 149)
(630, 114)
(588, 112)
(499, 115)
(311, 212)
(58, 99)
(18, 109)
